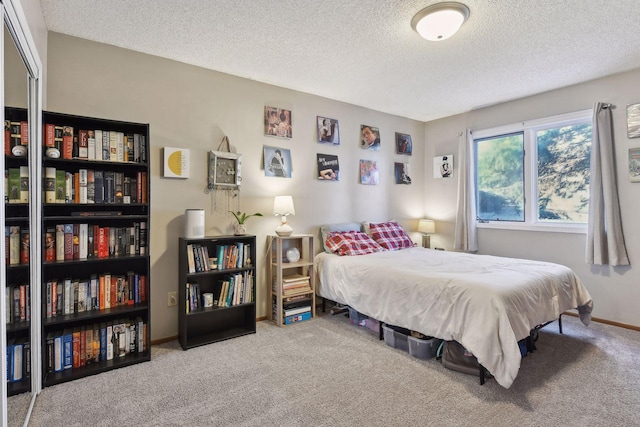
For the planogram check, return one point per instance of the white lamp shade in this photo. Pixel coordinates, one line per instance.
(440, 21)
(427, 226)
(283, 205)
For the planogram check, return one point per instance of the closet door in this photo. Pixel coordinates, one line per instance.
(20, 92)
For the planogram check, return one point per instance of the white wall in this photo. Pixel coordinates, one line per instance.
(190, 107)
(615, 291)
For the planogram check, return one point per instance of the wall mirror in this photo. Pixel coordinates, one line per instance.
(21, 88)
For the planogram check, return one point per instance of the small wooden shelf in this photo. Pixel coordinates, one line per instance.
(280, 269)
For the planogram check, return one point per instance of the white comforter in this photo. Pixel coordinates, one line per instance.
(486, 303)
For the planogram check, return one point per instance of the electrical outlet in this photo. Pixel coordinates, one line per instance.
(172, 299)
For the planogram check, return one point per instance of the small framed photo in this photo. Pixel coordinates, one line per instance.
(402, 173)
(277, 162)
(328, 131)
(369, 137)
(633, 121)
(328, 167)
(403, 144)
(176, 162)
(369, 173)
(277, 122)
(443, 166)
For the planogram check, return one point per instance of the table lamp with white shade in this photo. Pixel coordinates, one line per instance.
(426, 227)
(283, 206)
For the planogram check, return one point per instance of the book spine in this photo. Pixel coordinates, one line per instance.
(83, 144)
(49, 184)
(67, 142)
(24, 184)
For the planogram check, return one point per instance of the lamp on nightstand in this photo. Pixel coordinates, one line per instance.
(426, 227)
(283, 206)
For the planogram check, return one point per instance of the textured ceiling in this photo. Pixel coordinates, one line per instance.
(364, 52)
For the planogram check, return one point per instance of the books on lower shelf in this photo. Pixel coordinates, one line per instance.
(297, 318)
(100, 342)
(234, 289)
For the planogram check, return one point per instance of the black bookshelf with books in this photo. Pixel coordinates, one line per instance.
(95, 290)
(217, 277)
(17, 244)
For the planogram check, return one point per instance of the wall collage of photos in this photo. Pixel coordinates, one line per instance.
(277, 160)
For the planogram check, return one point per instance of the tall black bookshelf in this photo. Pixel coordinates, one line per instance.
(224, 267)
(17, 231)
(96, 193)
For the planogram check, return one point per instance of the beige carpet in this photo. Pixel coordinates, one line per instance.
(326, 372)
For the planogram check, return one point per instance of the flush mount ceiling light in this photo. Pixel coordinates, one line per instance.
(440, 21)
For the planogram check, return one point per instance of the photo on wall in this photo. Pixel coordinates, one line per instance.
(443, 166)
(369, 173)
(328, 167)
(369, 137)
(328, 131)
(403, 144)
(403, 176)
(277, 122)
(277, 162)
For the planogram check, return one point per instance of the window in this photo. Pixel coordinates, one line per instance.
(534, 174)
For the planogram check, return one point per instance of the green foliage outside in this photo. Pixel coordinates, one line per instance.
(563, 175)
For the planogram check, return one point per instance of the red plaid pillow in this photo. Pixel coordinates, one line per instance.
(390, 235)
(351, 243)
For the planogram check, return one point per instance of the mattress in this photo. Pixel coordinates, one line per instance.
(486, 303)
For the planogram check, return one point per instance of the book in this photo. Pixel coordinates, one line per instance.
(106, 147)
(14, 245)
(60, 186)
(98, 145)
(67, 349)
(67, 142)
(24, 184)
(68, 242)
(91, 144)
(297, 318)
(49, 184)
(24, 245)
(83, 182)
(14, 185)
(83, 241)
(113, 146)
(58, 352)
(83, 144)
(297, 310)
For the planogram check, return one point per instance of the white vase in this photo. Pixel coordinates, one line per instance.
(240, 229)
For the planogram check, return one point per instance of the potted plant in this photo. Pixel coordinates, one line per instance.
(242, 217)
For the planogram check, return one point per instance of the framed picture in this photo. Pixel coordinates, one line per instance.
(633, 120)
(277, 162)
(402, 173)
(176, 162)
(634, 164)
(369, 173)
(403, 144)
(443, 166)
(328, 130)
(225, 170)
(369, 137)
(277, 122)
(328, 167)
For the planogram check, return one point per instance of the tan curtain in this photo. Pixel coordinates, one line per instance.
(605, 240)
(466, 234)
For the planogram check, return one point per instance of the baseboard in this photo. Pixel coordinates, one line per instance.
(607, 322)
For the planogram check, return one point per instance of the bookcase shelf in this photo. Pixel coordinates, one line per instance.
(96, 240)
(292, 281)
(228, 317)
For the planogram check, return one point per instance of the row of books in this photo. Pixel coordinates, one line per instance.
(16, 133)
(294, 309)
(293, 284)
(94, 144)
(66, 242)
(18, 359)
(18, 303)
(16, 243)
(88, 186)
(87, 345)
(228, 256)
(234, 290)
(16, 185)
(100, 292)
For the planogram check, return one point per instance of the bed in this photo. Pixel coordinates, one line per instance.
(486, 303)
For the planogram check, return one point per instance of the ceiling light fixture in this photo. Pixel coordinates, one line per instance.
(440, 21)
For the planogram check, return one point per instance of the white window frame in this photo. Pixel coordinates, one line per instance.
(529, 129)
